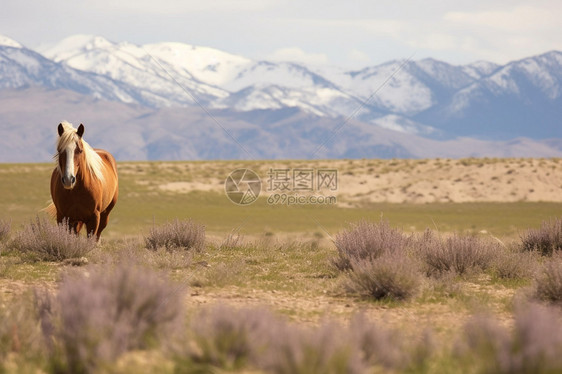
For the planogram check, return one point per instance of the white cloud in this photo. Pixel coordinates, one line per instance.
(295, 54)
(523, 18)
(317, 31)
(175, 7)
(358, 58)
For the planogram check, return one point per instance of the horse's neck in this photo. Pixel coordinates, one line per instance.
(85, 174)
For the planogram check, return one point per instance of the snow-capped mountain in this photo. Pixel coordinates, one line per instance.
(404, 101)
(21, 67)
(214, 78)
(522, 98)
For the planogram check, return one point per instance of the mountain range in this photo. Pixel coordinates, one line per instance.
(177, 101)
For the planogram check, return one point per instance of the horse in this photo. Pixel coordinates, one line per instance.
(84, 183)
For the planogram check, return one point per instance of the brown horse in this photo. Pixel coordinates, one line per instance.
(84, 185)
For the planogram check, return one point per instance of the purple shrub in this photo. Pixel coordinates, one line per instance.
(101, 313)
(5, 228)
(514, 265)
(391, 275)
(45, 241)
(548, 283)
(234, 339)
(19, 332)
(324, 349)
(547, 239)
(533, 346)
(367, 240)
(177, 235)
(387, 348)
(459, 254)
(228, 338)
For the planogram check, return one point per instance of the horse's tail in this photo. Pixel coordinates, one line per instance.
(51, 210)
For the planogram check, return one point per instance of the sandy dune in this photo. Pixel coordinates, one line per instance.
(398, 181)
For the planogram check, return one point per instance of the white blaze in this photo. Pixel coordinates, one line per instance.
(69, 167)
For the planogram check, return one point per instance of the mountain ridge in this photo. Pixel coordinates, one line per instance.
(406, 103)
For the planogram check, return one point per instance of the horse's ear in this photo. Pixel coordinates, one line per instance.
(80, 130)
(60, 129)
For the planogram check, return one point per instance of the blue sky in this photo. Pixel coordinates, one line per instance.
(345, 33)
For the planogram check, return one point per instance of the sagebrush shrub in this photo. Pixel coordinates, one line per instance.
(327, 348)
(391, 275)
(233, 240)
(547, 239)
(533, 345)
(46, 241)
(390, 349)
(548, 283)
(177, 235)
(458, 253)
(100, 313)
(367, 240)
(228, 338)
(19, 331)
(514, 265)
(5, 228)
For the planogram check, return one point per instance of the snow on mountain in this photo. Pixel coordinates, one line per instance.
(405, 87)
(208, 65)
(403, 124)
(215, 78)
(7, 42)
(480, 69)
(159, 81)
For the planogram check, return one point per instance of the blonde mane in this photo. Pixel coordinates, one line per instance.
(94, 163)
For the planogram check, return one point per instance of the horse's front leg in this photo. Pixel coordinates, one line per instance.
(72, 226)
(92, 225)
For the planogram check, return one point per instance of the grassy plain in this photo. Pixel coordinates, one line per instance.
(283, 257)
(144, 200)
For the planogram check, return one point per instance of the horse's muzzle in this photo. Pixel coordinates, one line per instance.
(68, 182)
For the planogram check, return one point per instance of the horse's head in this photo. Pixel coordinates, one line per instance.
(70, 153)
